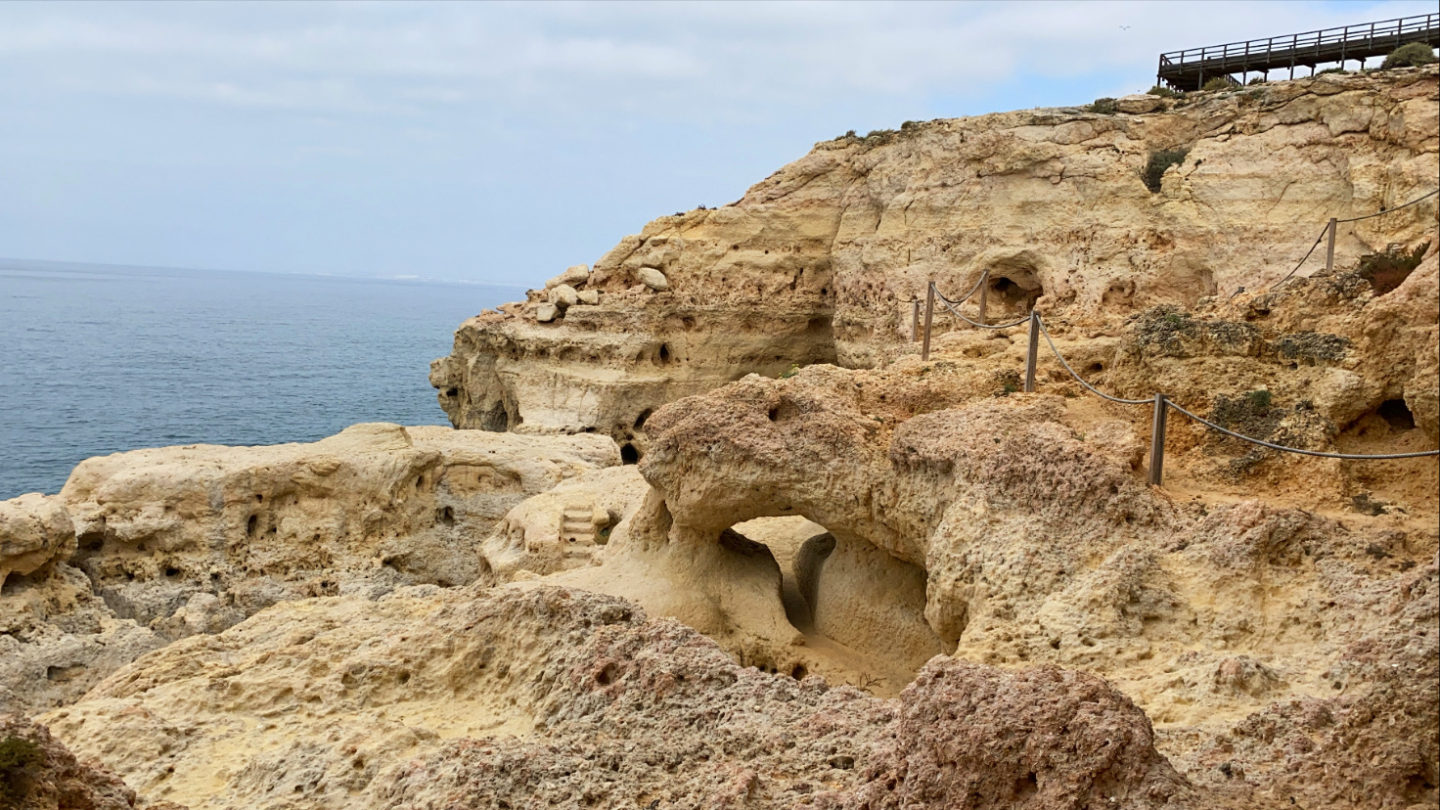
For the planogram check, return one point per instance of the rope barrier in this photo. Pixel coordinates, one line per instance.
(1317, 453)
(966, 297)
(1081, 380)
(957, 313)
(1391, 210)
(1292, 272)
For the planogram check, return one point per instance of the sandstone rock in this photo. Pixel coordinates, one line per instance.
(820, 261)
(545, 313)
(565, 527)
(652, 278)
(574, 276)
(421, 697)
(38, 773)
(1138, 103)
(182, 540)
(590, 297)
(564, 296)
(1041, 738)
(35, 531)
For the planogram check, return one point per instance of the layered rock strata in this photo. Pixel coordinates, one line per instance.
(822, 260)
(145, 547)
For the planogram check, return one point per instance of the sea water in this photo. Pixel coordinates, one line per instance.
(96, 359)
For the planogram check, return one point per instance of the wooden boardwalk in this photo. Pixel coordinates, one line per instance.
(1190, 69)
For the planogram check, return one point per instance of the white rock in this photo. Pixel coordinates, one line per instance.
(546, 313)
(575, 275)
(652, 278)
(564, 296)
(34, 530)
(591, 297)
(1138, 103)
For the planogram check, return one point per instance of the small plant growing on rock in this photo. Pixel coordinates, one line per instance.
(1162, 91)
(1256, 81)
(1411, 54)
(1104, 106)
(1157, 163)
(17, 755)
(790, 372)
(1219, 83)
(1385, 271)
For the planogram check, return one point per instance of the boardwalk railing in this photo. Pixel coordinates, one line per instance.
(1188, 69)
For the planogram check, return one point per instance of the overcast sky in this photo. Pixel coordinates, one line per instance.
(497, 142)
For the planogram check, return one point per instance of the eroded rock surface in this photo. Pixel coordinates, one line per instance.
(463, 698)
(38, 773)
(145, 547)
(821, 261)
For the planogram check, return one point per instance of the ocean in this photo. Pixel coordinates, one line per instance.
(96, 359)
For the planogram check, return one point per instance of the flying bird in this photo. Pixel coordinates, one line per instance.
(1124, 28)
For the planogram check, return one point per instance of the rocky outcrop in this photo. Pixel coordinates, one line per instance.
(145, 547)
(821, 261)
(425, 697)
(35, 532)
(38, 773)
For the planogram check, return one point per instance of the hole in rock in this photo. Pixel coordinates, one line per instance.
(640, 420)
(664, 353)
(606, 675)
(252, 524)
(445, 516)
(861, 609)
(629, 454)
(1396, 414)
(172, 571)
(1014, 296)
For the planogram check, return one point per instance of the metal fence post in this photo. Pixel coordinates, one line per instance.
(929, 316)
(1157, 441)
(1330, 248)
(1033, 353)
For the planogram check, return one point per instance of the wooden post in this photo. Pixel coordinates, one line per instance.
(1330, 248)
(1157, 441)
(984, 294)
(929, 317)
(1034, 352)
(914, 319)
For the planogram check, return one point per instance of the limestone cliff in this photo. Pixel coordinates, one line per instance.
(820, 261)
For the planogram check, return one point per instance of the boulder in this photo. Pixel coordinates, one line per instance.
(652, 278)
(35, 530)
(564, 296)
(545, 313)
(574, 275)
(1138, 103)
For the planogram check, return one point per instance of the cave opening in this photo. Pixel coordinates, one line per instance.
(629, 454)
(1396, 414)
(1012, 291)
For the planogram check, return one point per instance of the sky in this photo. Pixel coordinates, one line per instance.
(496, 142)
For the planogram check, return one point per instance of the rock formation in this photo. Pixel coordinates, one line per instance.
(821, 261)
(422, 617)
(502, 698)
(145, 547)
(38, 773)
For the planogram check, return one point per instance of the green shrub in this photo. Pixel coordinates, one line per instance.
(1157, 163)
(1385, 271)
(1256, 80)
(1104, 106)
(1411, 54)
(17, 755)
(1161, 91)
(1219, 83)
(1340, 70)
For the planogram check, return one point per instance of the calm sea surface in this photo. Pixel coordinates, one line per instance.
(95, 359)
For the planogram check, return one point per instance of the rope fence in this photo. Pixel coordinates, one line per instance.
(1329, 232)
(1161, 403)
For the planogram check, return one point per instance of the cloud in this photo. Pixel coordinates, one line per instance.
(687, 60)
